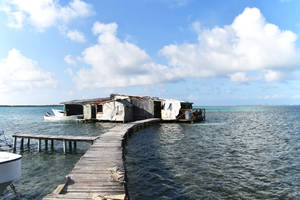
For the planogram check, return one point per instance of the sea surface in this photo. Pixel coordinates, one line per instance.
(242, 152)
(42, 171)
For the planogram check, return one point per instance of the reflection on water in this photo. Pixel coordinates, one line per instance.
(242, 154)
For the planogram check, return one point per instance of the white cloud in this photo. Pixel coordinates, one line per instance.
(100, 28)
(43, 13)
(241, 77)
(69, 60)
(271, 75)
(116, 63)
(18, 72)
(75, 36)
(248, 44)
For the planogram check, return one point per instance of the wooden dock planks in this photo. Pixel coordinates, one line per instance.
(100, 172)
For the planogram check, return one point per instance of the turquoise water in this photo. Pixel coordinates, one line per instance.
(248, 152)
(42, 172)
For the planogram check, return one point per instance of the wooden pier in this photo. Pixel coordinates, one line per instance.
(64, 138)
(99, 174)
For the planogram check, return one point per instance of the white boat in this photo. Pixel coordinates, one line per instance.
(10, 169)
(60, 115)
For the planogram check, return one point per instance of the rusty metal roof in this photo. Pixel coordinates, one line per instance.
(88, 101)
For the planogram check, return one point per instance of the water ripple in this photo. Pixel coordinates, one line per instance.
(251, 153)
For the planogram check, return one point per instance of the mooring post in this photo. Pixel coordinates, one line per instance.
(40, 145)
(15, 143)
(46, 144)
(52, 145)
(28, 143)
(64, 146)
(22, 144)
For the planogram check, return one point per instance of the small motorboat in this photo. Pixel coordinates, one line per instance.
(60, 115)
(10, 169)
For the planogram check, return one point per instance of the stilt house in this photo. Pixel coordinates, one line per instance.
(125, 108)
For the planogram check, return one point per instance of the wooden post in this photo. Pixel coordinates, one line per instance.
(15, 144)
(46, 144)
(22, 144)
(52, 145)
(64, 146)
(75, 145)
(40, 145)
(70, 145)
(28, 143)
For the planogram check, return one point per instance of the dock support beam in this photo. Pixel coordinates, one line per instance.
(22, 144)
(15, 144)
(70, 146)
(28, 143)
(64, 146)
(52, 145)
(75, 145)
(40, 145)
(46, 144)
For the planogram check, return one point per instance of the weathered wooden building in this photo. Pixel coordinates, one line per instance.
(125, 108)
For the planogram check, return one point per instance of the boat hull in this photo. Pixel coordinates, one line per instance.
(63, 118)
(10, 169)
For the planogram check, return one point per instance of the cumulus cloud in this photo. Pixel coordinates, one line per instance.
(69, 60)
(241, 77)
(117, 63)
(271, 75)
(248, 44)
(75, 36)
(43, 13)
(18, 72)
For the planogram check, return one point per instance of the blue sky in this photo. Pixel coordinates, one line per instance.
(234, 53)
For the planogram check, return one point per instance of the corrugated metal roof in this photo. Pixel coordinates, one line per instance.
(111, 98)
(88, 101)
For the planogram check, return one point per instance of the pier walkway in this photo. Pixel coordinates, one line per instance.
(99, 174)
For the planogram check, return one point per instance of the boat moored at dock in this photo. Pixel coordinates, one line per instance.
(60, 115)
(10, 169)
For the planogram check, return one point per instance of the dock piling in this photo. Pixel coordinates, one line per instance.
(15, 144)
(64, 146)
(75, 145)
(70, 146)
(46, 144)
(40, 145)
(52, 145)
(22, 144)
(28, 143)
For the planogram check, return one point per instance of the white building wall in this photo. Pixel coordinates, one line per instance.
(112, 111)
(87, 113)
(170, 109)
